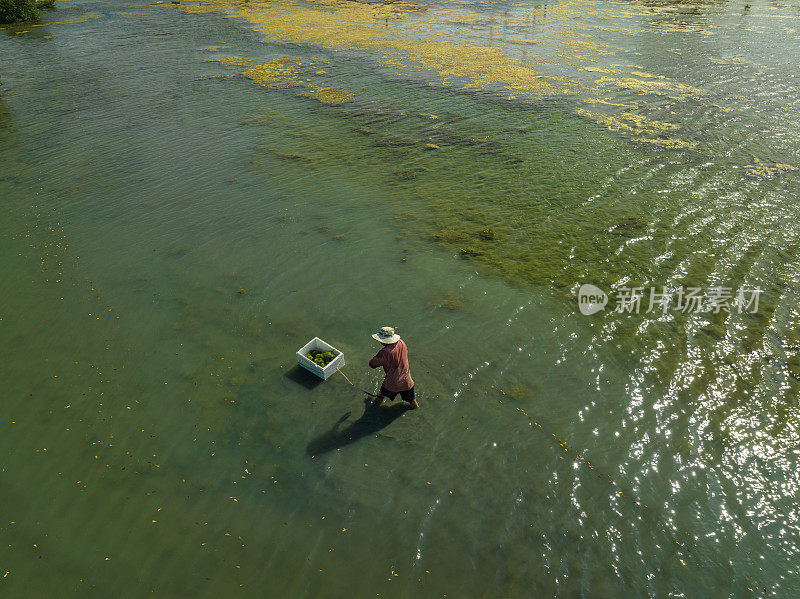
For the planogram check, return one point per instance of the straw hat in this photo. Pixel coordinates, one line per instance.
(386, 335)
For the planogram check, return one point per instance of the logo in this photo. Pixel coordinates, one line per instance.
(591, 299)
(637, 300)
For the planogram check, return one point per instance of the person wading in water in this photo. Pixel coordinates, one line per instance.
(393, 356)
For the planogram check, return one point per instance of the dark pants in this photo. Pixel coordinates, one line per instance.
(407, 395)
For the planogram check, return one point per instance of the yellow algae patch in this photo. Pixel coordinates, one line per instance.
(279, 72)
(355, 25)
(393, 60)
(330, 95)
(91, 15)
(668, 143)
(607, 102)
(475, 66)
(761, 170)
(669, 88)
(407, 36)
(576, 49)
(664, 28)
(635, 124)
(642, 123)
(237, 61)
(213, 48)
(629, 122)
(430, 41)
(130, 14)
(282, 73)
(725, 60)
(325, 22)
(643, 74)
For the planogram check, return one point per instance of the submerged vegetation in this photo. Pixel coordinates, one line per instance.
(18, 11)
(518, 192)
(21, 11)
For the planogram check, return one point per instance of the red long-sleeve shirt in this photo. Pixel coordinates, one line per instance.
(394, 359)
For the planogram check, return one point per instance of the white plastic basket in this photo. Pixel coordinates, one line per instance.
(320, 345)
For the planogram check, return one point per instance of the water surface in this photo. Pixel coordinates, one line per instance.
(191, 193)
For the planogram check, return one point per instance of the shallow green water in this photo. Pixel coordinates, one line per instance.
(169, 240)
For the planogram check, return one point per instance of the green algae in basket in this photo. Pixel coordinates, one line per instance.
(321, 358)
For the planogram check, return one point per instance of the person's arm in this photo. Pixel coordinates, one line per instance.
(377, 360)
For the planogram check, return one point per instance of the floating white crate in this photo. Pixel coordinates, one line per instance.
(320, 345)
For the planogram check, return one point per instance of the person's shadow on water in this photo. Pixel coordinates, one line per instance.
(372, 420)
